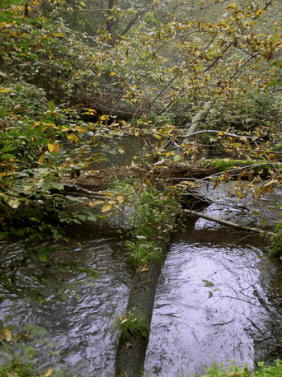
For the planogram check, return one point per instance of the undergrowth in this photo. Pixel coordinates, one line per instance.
(234, 370)
(154, 218)
(22, 369)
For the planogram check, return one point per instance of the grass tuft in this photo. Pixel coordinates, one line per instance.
(131, 324)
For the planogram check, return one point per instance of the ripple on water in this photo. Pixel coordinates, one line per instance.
(82, 327)
(211, 304)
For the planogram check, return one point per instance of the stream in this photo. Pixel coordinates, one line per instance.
(218, 298)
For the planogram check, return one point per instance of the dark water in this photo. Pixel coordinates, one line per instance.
(80, 330)
(120, 151)
(218, 298)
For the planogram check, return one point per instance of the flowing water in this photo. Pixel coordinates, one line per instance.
(217, 300)
(80, 330)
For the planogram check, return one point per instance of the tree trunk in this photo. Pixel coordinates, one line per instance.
(199, 117)
(109, 22)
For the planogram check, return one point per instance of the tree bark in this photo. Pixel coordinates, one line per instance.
(199, 117)
(109, 22)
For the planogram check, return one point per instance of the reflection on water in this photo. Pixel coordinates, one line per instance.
(82, 327)
(212, 303)
(218, 298)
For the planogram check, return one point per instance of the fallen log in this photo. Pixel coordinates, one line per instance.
(229, 223)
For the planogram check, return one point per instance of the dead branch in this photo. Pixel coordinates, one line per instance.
(229, 223)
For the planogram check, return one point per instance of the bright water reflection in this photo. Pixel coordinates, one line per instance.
(212, 303)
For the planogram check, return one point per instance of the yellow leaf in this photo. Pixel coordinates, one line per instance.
(51, 147)
(106, 207)
(4, 90)
(121, 151)
(56, 147)
(221, 133)
(41, 158)
(148, 182)
(112, 73)
(35, 125)
(50, 371)
(120, 199)
(104, 117)
(73, 137)
(5, 174)
(95, 202)
(7, 334)
(144, 270)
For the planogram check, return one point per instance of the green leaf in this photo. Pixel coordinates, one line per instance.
(8, 318)
(57, 236)
(51, 106)
(3, 235)
(1, 325)
(7, 149)
(81, 217)
(7, 156)
(208, 283)
(58, 186)
(43, 257)
(21, 232)
(20, 346)
(91, 217)
(39, 331)
(7, 350)
(12, 327)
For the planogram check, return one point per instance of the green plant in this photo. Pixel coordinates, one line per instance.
(153, 219)
(130, 324)
(276, 241)
(221, 370)
(16, 343)
(23, 368)
(233, 370)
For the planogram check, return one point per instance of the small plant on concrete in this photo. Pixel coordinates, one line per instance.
(130, 324)
(233, 370)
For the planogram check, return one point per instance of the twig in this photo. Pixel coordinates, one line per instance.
(229, 223)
